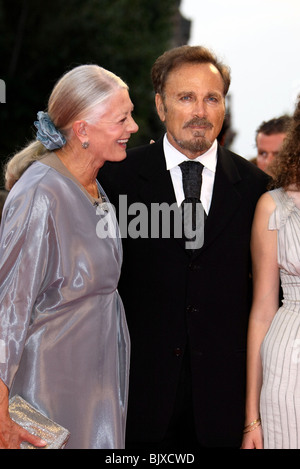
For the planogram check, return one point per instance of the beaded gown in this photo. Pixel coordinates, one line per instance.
(280, 397)
(64, 343)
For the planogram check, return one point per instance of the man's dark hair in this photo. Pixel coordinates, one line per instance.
(178, 56)
(278, 125)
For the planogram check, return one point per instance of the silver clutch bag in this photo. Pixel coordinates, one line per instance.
(38, 424)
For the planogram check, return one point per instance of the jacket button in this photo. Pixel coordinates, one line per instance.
(177, 352)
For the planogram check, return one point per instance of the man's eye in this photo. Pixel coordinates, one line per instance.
(213, 99)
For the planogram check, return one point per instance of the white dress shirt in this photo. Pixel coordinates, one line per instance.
(209, 161)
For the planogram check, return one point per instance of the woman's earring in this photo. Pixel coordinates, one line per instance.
(85, 145)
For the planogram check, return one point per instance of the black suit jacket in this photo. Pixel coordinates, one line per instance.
(173, 300)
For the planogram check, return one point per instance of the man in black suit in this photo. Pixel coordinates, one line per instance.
(187, 310)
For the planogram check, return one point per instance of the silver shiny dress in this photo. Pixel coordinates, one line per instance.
(64, 344)
(280, 397)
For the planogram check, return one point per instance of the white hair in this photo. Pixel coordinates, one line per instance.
(80, 94)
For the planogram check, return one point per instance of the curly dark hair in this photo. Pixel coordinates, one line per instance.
(286, 166)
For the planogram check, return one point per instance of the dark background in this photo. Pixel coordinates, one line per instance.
(40, 41)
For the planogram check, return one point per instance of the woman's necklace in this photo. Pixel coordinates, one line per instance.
(99, 200)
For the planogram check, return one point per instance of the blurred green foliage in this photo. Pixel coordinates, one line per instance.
(40, 41)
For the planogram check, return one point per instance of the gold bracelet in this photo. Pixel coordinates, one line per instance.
(253, 427)
(252, 423)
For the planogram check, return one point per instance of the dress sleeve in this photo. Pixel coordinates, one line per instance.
(274, 220)
(24, 251)
(283, 210)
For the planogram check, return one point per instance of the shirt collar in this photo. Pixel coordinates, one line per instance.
(175, 157)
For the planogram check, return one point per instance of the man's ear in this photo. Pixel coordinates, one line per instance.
(160, 107)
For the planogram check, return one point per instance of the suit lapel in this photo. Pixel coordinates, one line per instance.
(154, 178)
(225, 199)
(156, 186)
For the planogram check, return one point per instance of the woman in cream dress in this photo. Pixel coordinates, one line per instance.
(273, 389)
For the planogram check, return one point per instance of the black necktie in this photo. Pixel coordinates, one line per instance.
(192, 210)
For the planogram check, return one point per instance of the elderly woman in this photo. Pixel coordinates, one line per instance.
(64, 344)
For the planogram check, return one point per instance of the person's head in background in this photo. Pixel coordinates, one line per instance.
(269, 137)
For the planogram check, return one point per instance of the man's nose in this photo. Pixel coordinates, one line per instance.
(200, 109)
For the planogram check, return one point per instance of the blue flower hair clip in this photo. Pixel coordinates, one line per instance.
(47, 133)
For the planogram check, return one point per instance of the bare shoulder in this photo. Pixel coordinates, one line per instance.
(264, 209)
(266, 204)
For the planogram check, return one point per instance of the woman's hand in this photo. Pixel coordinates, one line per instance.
(253, 439)
(12, 435)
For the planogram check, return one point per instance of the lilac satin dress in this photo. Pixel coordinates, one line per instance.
(64, 343)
